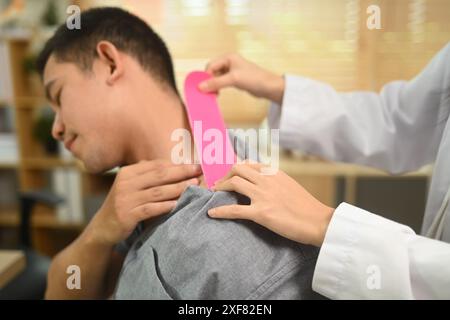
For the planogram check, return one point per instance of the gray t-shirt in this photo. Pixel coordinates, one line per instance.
(188, 255)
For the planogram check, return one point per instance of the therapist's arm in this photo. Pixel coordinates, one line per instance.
(232, 70)
(398, 129)
(362, 255)
(140, 192)
(365, 256)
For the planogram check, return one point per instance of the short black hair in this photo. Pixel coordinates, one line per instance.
(126, 31)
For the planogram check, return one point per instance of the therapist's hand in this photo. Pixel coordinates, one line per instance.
(278, 203)
(234, 71)
(139, 192)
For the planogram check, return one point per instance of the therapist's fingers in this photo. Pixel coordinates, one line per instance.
(235, 71)
(220, 70)
(218, 83)
(219, 66)
(237, 184)
(246, 170)
(223, 71)
(280, 204)
(234, 211)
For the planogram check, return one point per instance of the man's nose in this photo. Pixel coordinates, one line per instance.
(58, 128)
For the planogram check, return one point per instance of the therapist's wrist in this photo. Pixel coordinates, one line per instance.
(325, 218)
(275, 88)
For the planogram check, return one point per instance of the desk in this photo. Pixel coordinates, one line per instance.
(12, 263)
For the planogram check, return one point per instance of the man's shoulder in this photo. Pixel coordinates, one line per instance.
(190, 224)
(223, 258)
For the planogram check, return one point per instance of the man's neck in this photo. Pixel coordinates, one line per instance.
(151, 133)
(151, 137)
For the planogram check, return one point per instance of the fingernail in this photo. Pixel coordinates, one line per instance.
(211, 212)
(203, 86)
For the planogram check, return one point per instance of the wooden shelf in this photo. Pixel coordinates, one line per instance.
(46, 163)
(8, 165)
(52, 222)
(299, 167)
(17, 34)
(5, 104)
(11, 218)
(26, 102)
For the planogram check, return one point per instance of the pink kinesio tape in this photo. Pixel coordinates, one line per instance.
(214, 149)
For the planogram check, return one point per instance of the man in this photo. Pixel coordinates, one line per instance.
(112, 87)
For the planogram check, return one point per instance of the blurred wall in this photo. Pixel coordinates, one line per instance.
(324, 39)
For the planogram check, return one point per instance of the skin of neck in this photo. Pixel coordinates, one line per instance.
(156, 113)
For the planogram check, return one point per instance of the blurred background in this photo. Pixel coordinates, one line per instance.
(46, 198)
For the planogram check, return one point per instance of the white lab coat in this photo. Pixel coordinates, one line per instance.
(400, 129)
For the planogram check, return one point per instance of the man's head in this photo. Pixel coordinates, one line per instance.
(111, 84)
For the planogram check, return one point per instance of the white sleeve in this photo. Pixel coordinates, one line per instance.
(365, 256)
(397, 130)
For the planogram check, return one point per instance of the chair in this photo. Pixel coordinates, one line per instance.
(32, 282)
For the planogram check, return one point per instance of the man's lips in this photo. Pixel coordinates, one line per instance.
(68, 144)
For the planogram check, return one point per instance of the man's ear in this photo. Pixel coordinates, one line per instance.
(109, 55)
